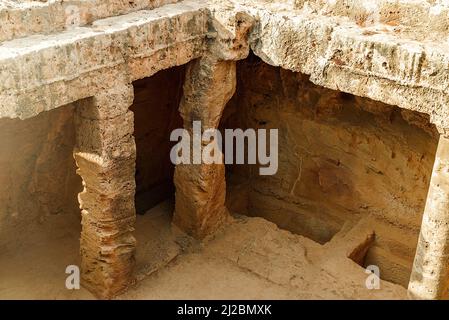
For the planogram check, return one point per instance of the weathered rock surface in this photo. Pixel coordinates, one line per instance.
(105, 154)
(43, 72)
(201, 188)
(155, 108)
(250, 258)
(37, 171)
(365, 158)
(341, 158)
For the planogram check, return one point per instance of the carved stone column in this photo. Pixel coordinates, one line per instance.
(105, 154)
(430, 274)
(201, 188)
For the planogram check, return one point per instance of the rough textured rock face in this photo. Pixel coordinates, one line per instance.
(44, 72)
(37, 170)
(105, 154)
(46, 16)
(344, 160)
(341, 159)
(201, 188)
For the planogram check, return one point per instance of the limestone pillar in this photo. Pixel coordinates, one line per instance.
(430, 274)
(201, 188)
(105, 154)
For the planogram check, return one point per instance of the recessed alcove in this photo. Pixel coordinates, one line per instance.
(342, 159)
(155, 108)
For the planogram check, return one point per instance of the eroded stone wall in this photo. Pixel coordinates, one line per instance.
(341, 159)
(37, 170)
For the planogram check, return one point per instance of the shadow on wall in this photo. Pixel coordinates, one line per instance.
(341, 158)
(155, 107)
(37, 170)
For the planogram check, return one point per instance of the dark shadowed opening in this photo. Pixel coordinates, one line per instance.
(155, 107)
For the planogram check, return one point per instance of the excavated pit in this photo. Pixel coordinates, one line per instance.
(102, 84)
(342, 159)
(156, 115)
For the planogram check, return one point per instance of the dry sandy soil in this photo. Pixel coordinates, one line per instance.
(249, 258)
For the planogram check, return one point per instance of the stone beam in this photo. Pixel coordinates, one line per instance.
(430, 273)
(43, 72)
(382, 62)
(105, 154)
(58, 15)
(201, 188)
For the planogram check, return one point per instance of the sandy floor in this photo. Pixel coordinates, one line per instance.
(249, 258)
